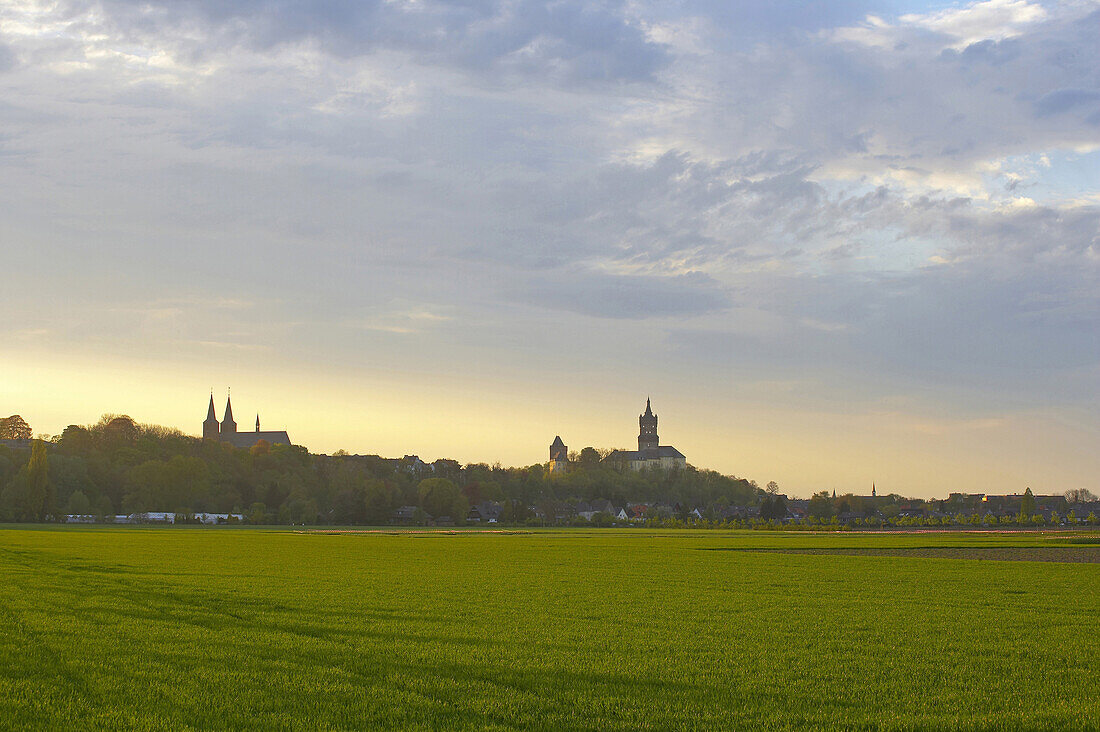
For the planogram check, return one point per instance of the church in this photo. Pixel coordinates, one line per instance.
(650, 454)
(226, 430)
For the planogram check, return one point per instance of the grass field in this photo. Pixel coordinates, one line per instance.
(172, 628)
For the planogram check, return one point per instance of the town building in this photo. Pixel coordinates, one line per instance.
(226, 430)
(650, 453)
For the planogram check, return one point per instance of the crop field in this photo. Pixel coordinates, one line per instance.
(174, 628)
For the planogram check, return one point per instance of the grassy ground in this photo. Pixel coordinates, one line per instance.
(172, 628)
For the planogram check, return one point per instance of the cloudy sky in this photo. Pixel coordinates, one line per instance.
(836, 242)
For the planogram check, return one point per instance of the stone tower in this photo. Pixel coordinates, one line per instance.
(210, 428)
(559, 456)
(647, 434)
(229, 427)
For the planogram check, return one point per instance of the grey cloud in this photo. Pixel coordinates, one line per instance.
(1063, 100)
(571, 41)
(8, 59)
(629, 297)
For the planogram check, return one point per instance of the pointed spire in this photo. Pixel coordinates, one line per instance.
(648, 409)
(257, 421)
(872, 489)
(210, 415)
(229, 426)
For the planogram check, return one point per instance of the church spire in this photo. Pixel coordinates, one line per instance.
(228, 425)
(257, 421)
(210, 428)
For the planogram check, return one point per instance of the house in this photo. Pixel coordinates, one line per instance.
(404, 516)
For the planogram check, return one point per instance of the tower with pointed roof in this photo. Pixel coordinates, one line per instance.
(210, 428)
(559, 456)
(647, 432)
(229, 427)
(650, 453)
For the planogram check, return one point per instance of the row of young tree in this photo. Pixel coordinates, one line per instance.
(119, 467)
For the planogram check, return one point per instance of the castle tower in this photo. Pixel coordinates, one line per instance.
(559, 456)
(647, 434)
(229, 427)
(210, 428)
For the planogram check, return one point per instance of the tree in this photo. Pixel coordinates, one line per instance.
(40, 492)
(820, 505)
(79, 505)
(14, 428)
(589, 458)
(1027, 503)
(117, 430)
(439, 496)
(772, 488)
(1080, 495)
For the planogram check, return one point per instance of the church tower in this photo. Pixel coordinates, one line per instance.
(647, 434)
(210, 427)
(229, 427)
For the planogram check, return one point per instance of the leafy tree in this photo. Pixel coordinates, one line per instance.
(441, 497)
(14, 428)
(589, 458)
(821, 505)
(1027, 503)
(79, 504)
(39, 497)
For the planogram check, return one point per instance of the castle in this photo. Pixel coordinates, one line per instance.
(650, 453)
(226, 430)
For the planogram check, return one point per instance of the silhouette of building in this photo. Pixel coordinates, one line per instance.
(226, 430)
(559, 456)
(650, 453)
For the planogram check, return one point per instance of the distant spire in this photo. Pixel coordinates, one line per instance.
(228, 425)
(257, 421)
(648, 409)
(210, 428)
(872, 489)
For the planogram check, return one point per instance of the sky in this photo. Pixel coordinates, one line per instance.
(836, 242)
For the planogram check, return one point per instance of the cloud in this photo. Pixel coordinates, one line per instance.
(8, 59)
(626, 297)
(569, 41)
(1063, 100)
(816, 189)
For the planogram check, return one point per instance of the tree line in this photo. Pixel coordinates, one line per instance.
(117, 466)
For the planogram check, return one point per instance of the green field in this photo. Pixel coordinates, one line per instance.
(172, 628)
